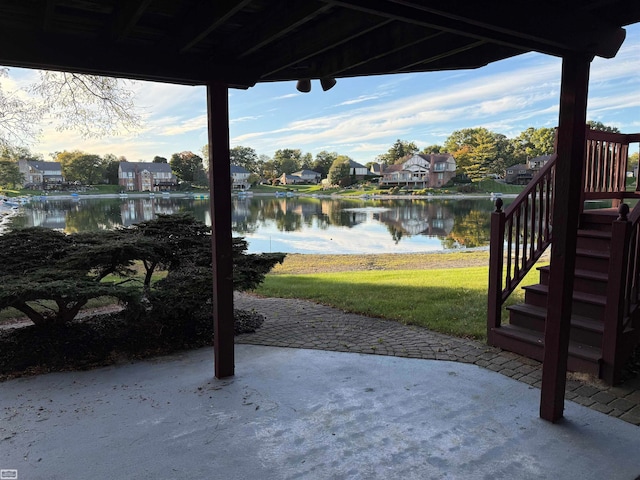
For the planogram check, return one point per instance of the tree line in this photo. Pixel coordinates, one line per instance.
(92, 169)
(479, 153)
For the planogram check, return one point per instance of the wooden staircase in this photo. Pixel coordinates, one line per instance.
(605, 319)
(525, 331)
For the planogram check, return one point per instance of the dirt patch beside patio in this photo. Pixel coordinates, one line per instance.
(298, 264)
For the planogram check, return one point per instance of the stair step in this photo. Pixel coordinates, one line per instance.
(600, 219)
(582, 358)
(584, 330)
(585, 304)
(586, 281)
(577, 296)
(595, 260)
(581, 321)
(598, 240)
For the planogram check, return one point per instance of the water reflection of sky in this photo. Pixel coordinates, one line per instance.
(296, 225)
(363, 238)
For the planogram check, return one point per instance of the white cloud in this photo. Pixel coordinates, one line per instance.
(288, 95)
(244, 119)
(185, 126)
(360, 99)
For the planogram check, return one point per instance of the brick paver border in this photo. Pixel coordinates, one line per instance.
(303, 324)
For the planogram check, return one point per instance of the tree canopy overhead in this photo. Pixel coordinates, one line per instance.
(89, 104)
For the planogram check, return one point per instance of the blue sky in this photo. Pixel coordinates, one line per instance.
(362, 117)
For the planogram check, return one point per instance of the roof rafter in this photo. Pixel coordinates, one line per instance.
(203, 20)
(279, 24)
(316, 40)
(126, 16)
(493, 21)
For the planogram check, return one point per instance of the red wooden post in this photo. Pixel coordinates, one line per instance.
(616, 292)
(496, 254)
(221, 243)
(566, 209)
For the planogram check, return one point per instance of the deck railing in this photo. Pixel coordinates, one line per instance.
(623, 292)
(519, 237)
(605, 170)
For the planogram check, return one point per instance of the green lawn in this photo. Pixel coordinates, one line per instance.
(451, 301)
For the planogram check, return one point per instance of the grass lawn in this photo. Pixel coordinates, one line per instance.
(447, 300)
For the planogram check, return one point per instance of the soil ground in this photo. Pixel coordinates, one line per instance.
(299, 264)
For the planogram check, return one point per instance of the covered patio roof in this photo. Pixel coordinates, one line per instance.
(244, 42)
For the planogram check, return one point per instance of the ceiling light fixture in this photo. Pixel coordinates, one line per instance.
(327, 83)
(304, 85)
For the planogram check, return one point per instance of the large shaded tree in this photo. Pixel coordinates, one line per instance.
(245, 157)
(82, 167)
(323, 162)
(602, 127)
(287, 160)
(188, 167)
(339, 171)
(399, 150)
(531, 143)
(111, 164)
(10, 175)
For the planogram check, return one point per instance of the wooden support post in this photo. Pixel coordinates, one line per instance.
(494, 305)
(566, 210)
(616, 292)
(221, 243)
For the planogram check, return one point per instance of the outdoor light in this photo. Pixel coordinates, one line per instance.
(304, 85)
(327, 83)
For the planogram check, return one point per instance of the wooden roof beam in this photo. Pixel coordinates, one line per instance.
(398, 57)
(64, 52)
(279, 24)
(204, 20)
(47, 14)
(316, 40)
(493, 22)
(127, 14)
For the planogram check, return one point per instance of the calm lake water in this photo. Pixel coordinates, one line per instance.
(294, 225)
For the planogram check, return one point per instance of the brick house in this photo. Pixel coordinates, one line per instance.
(146, 177)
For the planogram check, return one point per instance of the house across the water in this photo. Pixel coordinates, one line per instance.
(41, 175)
(146, 177)
(420, 171)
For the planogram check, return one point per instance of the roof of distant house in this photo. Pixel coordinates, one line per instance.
(520, 166)
(435, 157)
(392, 168)
(238, 169)
(38, 165)
(305, 172)
(541, 158)
(149, 166)
(354, 164)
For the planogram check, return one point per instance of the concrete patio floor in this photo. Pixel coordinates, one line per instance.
(298, 413)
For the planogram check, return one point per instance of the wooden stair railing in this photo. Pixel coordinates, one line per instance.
(520, 235)
(605, 169)
(623, 294)
(524, 230)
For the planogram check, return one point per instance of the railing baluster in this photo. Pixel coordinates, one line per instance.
(516, 261)
(540, 216)
(533, 222)
(589, 170)
(509, 245)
